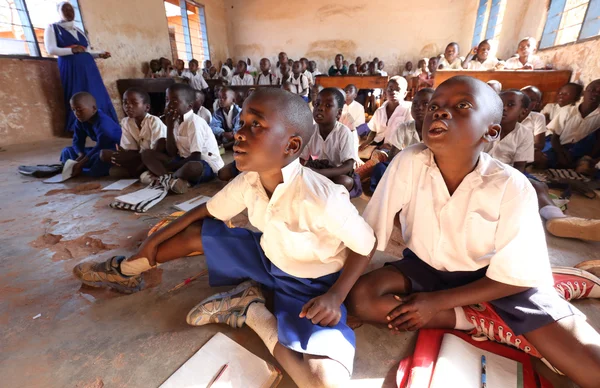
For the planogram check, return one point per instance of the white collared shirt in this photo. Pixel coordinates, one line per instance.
(353, 115)
(194, 135)
(405, 135)
(455, 65)
(552, 110)
(196, 80)
(143, 138)
(316, 73)
(535, 122)
(491, 219)
(309, 77)
(175, 73)
(229, 117)
(269, 79)
(205, 114)
(247, 79)
(517, 146)
(571, 127)
(409, 74)
(382, 126)
(307, 224)
(337, 148)
(488, 64)
(514, 63)
(300, 84)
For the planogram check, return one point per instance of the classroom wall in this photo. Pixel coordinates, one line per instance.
(395, 31)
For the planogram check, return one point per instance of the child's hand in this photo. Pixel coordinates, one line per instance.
(228, 136)
(105, 55)
(474, 50)
(323, 310)
(171, 117)
(77, 168)
(414, 311)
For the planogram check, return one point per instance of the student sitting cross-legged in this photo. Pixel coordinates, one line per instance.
(477, 258)
(311, 248)
(191, 153)
(140, 131)
(226, 119)
(99, 127)
(568, 95)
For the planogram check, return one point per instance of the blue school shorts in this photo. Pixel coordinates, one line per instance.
(576, 151)
(523, 312)
(207, 173)
(234, 255)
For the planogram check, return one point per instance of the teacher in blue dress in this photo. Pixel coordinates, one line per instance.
(78, 70)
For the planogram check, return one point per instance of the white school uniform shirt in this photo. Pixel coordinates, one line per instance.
(514, 63)
(316, 73)
(491, 219)
(309, 77)
(455, 65)
(517, 146)
(353, 115)
(405, 135)
(552, 110)
(175, 73)
(247, 79)
(337, 148)
(144, 138)
(307, 225)
(205, 114)
(382, 126)
(194, 135)
(535, 122)
(408, 74)
(269, 79)
(197, 81)
(383, 73)
(299, 84)
(488, 64)
(571, 127)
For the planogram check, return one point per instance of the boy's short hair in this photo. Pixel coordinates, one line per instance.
(536, 91)
(84, 97)
(341, 55)
(454, 44)
(525, 100)
(199, 92)
(351, 86)
(194, 61)
(401, 81)
(578, 89)
(423, 91)
(140, 92)
(185, 91)
(338, 95)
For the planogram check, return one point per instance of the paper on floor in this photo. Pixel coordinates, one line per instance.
(67, 173)
(120, 184)
(192, 203)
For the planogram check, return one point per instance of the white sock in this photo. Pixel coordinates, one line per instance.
(462, 323)
(263, 323)
(550, 212)
(135, 267)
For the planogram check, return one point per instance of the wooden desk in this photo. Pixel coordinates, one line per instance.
(361, 82)
(548, 81)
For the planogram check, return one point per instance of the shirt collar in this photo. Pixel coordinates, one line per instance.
(188, 116)
(485, 168)
(290, 171)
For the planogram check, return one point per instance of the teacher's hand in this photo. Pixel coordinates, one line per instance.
(105, 55)
(78, 49)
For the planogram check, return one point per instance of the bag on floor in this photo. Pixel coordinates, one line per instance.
(41, 170)
(142, 200)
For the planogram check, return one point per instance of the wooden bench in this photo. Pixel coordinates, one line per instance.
(361, 82)
(548, 81)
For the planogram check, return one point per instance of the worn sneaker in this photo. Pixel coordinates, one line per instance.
(591, 266)
(575, 283)
(147, 178)
(227, 307)
(179, 186)
(108, 274)
(574, 227)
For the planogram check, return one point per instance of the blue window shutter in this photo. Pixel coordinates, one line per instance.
(591, 24)
(185, 25)
(493, 19)
(552, 23)
(479, 22)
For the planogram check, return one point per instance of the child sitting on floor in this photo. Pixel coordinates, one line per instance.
(574, 132)
(527, 60)
(477, 258)
(226, 120)
(450, 59)
(199, 108)
(179, 69)
(568, 95)
(196, 79)
(309, 232)
(140, 131)
(338, 68)
(535, 121)
(192, 154)
(265, 77)
(480, 58)
(299, 81)
(241, 77)
(353, 115)
(96, 125)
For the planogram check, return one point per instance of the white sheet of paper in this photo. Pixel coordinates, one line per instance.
(120, 184)
(460, 362)
(67, 173)
(140, 195)
(192, 203)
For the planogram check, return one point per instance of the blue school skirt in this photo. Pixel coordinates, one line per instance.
(234, 255)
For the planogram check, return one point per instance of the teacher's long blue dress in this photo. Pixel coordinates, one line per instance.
(79, 73)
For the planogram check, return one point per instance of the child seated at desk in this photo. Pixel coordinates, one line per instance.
(165, 67)
(426, 79)
(299, 81)
(313, 68)
(568, 95)
(140, 131)
(265, 77)
(196, 79)
(241, 77)
(408, 71)
(477, 258)
(206, 69)
(213, 73)
(338, 68)
(96, 125)
(179, 69)
(535, 121)
(155, 69)
(480, 58)
(311, 248)
(305, 71)
(226, 120)
(380, 67)
(526, 60)
(314, 92)
(284, 73)
(450, 59)
(199, 108)
(352, 69)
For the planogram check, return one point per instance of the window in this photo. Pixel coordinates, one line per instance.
(488, 25)
(570, 21)
(22, 25)
(187, 30)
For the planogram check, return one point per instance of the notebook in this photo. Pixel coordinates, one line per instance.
(67, 173)
(460, 362)
(120, 184)
(140, 195)
(244, 370)
(192, 203)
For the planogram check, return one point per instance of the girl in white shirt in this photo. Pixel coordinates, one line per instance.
(480, 58)
(242, 77)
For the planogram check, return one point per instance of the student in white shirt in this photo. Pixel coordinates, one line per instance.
(282, 58)
(380, 67)
(353, 114)
(199, 108)
(526, 59)
(534, 120)
(192, 154)
(313, 69)
(309, 232)
(450, 59)
(179, 70)
(226, 74)
(477, 258)
(305, 71)
(265, 77)
(140, 131)
(574, 132)
(241, 77)
(568, 95)
(408, 71)
(196, 79)
(299, 81)
(480, 58)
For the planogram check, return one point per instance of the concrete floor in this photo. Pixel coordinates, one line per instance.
(92, 338)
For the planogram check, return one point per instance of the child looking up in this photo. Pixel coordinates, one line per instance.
(527, 60)
(450, 60)
(299, 81)
(568, 95)
(192, 154)
(311, 247)
(179, 69)
(96, 125)
(241, 77)
(338, 68)
(477, 258)
(535, 121)
(196, 79)
(480, 58)
(226, 120)
(199, 108)
(265, 77)
(331, 150)
(140, 131)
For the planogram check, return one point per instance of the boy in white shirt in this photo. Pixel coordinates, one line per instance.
(408, 71)
(309, 231)
(179, 70)
(265, 77)
(308, 74)
(299, 81)
(535, 121)
(380, 67)
(568, 95)
(526, 59)
(199, 108)
(192, 154)
(480, 58)
(353, 114)
(140, 131)
(331, 150)
(477, 258)
(450, 59)
(312, 67)
(241, 77)
(196, 79)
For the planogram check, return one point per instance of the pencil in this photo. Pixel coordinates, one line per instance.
(217, 376)
(197, 199)
(483, 372)
(188, 280)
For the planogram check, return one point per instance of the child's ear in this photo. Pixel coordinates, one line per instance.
(339, 114)
(294, 145)
(493, 133)
(147, 108)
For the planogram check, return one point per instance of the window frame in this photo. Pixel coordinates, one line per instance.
(185, 24)
(585, 20)
(489, 20)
